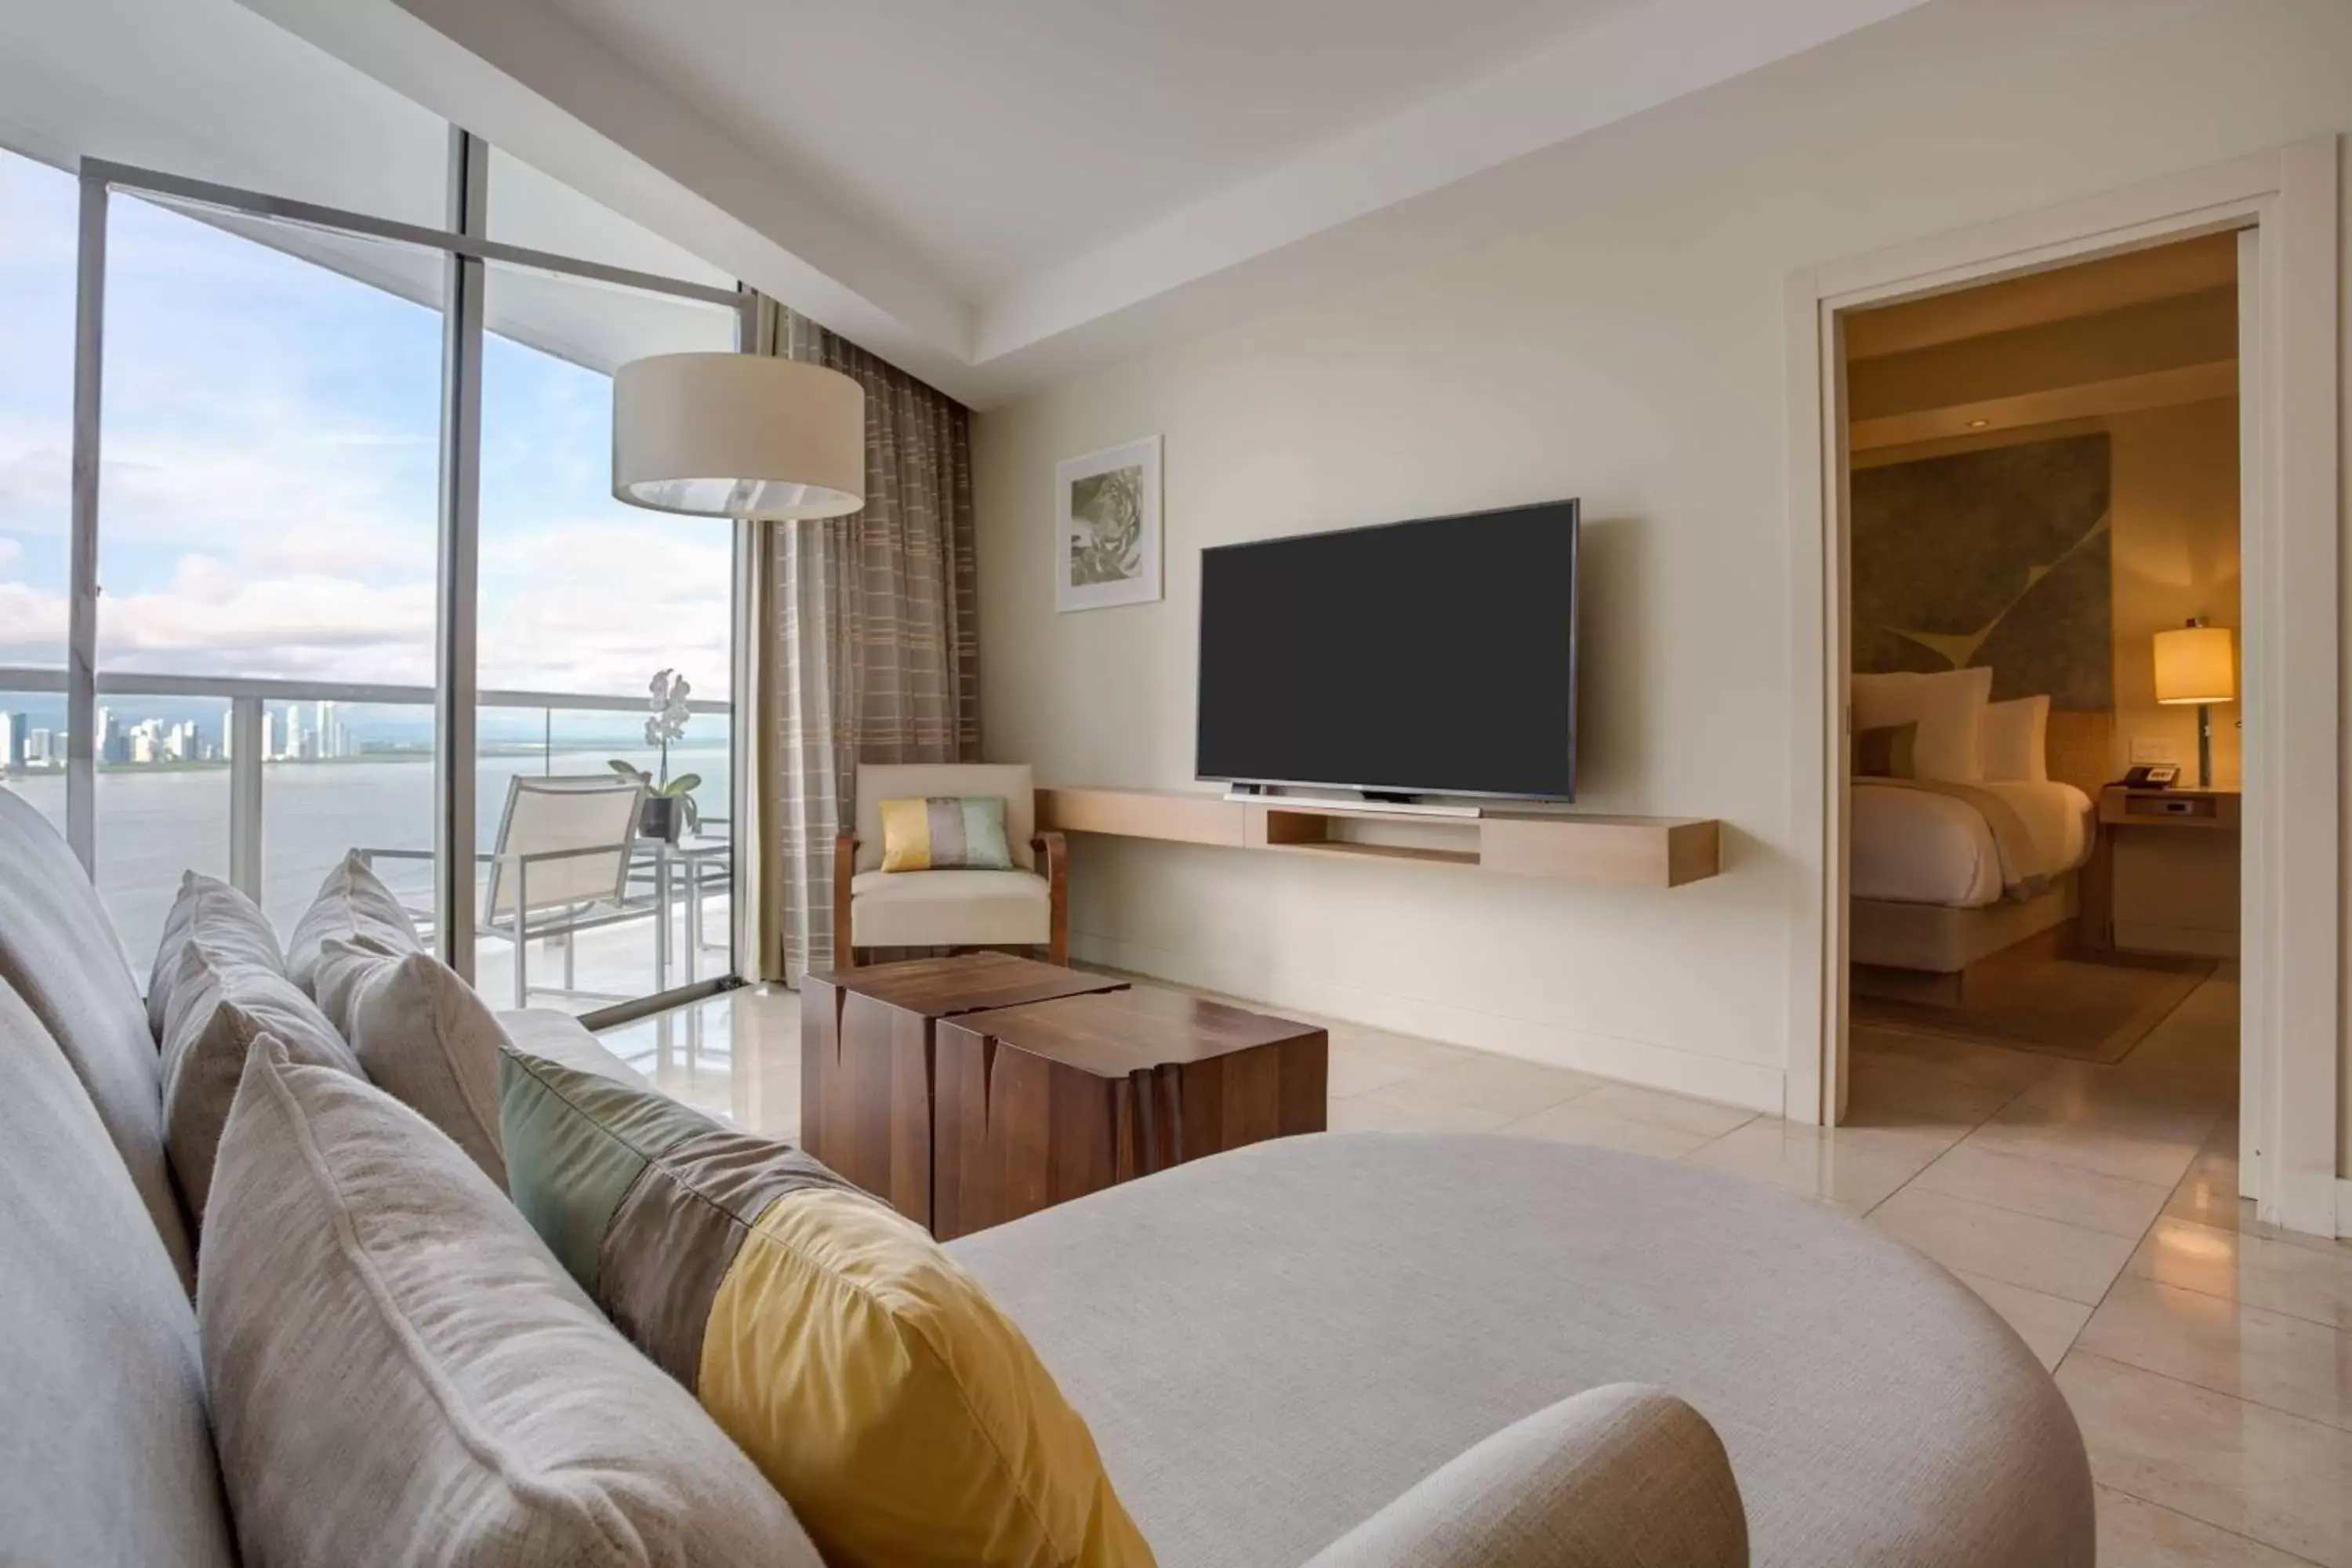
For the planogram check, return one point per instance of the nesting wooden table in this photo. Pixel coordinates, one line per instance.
(970, 1090)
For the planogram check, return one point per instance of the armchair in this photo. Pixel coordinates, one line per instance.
(1025, 907)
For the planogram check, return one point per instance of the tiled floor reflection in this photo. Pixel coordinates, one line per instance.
(2095, 1208)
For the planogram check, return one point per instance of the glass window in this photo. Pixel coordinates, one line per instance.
(583, 603)
(267, 535)
(39, 208)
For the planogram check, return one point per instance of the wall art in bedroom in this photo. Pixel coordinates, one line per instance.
(1998, 557)
(1107, 527)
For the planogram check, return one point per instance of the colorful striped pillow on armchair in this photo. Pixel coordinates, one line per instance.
(942, 833)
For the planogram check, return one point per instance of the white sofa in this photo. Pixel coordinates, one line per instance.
(1365, 1348)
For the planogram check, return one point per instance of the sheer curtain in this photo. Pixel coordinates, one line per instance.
(871, 635)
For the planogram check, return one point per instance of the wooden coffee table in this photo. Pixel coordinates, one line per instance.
(1037, 1104)
(865, 1058)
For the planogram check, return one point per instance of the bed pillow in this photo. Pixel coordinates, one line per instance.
(871, 1379)
(354, 905)
(2017, 740)
(1949, 708)
(219, 1009)
(424, 1036)
(400, 1375)
(232, 924)
(942, 833)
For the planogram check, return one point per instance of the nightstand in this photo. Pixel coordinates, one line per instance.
(2163, 876)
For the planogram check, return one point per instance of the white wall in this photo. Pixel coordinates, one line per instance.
(1633, 358)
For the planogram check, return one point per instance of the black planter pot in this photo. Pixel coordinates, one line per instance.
(663, 816)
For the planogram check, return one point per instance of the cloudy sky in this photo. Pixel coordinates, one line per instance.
(267, 491)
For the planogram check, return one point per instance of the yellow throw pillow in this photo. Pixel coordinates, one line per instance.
(871, 1378)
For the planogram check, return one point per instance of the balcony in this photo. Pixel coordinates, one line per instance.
(273, 824)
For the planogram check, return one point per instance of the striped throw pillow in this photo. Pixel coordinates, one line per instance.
(873, 1382)
(943, 833)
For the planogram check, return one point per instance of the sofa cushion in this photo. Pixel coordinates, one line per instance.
(958, 908)
(422, 1036)
(354, 905)
(872, 1381)
(1621, 1477)
(104, 1453)
(58, 952)
(395, 1360)
(230, 923)
(218, 1009)
(1875, 1411)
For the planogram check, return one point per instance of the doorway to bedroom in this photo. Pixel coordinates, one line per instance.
(2043, 581)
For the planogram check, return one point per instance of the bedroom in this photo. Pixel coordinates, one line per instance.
(2044, 516)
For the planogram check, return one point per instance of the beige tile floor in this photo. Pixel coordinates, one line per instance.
(2208, 1357)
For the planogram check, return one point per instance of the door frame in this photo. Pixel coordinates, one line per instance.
(2292, 967)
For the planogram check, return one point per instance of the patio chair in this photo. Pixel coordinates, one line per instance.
(560, 866)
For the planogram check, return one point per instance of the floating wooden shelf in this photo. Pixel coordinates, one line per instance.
(1631, 851)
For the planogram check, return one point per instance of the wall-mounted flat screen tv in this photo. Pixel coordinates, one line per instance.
(1428, 658)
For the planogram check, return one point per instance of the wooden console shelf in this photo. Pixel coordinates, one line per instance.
(1630, 851)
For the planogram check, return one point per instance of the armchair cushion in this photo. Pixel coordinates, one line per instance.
(950, 909)
(1012, 781)
(1619, 1477)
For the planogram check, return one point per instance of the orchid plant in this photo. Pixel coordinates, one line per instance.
(666, 725)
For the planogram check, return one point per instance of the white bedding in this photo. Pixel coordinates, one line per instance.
(1909, 846)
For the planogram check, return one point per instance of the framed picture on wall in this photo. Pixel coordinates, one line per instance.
(1107, 527)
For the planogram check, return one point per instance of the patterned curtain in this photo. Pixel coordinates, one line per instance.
(873, 634)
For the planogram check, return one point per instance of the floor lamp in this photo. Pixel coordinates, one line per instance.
(2195, 664)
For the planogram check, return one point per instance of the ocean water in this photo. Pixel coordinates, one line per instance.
(154, 824)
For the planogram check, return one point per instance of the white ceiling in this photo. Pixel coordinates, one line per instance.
(998, 194)
(997, 140)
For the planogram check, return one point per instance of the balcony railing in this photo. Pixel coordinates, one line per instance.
(244, 701)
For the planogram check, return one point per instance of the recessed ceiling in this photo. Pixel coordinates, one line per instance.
(996, 195)
(998, 140)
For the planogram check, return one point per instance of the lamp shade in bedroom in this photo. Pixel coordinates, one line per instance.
(2194, 664)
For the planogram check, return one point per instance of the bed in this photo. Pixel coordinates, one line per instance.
(1936, 891)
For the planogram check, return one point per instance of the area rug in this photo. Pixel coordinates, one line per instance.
(2093, 1009)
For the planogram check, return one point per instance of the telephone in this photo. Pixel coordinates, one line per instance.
(2153, 775)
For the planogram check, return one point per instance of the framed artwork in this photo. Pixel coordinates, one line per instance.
(1107, 527)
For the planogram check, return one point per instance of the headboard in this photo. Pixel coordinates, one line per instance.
(2081, 750)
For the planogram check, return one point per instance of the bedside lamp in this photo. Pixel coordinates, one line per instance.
(2193, 664)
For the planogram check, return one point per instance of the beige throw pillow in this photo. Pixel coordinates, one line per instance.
(401, 1374)
(218, 1009)
(1949, 708)
(425, 1037)
(232, 924)
(2017, 740)
(354, 905)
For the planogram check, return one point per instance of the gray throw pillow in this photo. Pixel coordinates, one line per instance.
(234, 925)
(356, 905)
(219, 1007)
(422, 1036)
(400, 1371)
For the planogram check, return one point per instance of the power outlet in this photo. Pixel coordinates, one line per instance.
(2150, 749)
